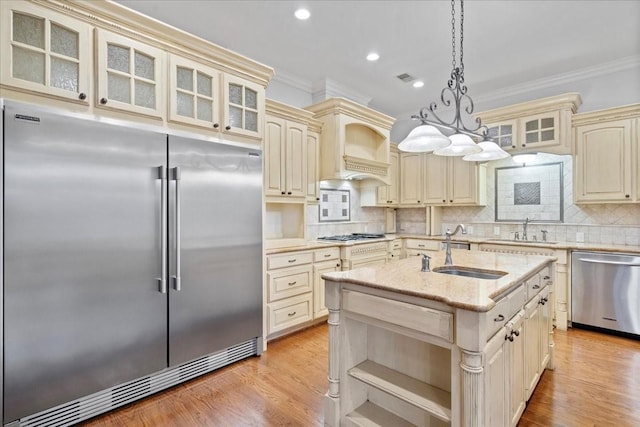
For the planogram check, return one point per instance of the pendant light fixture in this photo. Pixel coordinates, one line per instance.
(461, 142)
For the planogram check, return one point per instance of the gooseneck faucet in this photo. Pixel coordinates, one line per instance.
(448, 234)
(524, 229)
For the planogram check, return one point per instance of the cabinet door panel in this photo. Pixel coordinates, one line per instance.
(274, 157)
(603, 162)
(296, 143)
(435, 176)
(463, 179)
(411, 179)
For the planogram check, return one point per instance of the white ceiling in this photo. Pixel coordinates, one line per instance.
(507, 43)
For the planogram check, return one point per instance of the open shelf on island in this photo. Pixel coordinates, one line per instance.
(371, 415)
(435, 401)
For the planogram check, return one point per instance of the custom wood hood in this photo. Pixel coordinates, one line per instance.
(354, 142)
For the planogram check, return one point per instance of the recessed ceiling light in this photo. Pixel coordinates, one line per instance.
(302, 14)
(373, 56)
(418, 83)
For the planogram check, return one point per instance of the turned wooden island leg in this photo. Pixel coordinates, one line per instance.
(332, 397)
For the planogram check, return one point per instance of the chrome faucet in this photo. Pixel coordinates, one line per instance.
(524, 228)
(448, 234)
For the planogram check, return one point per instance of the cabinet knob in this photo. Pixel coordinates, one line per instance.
(513, 146)
(82, 96)
(289, 192)
(103, 101)
(626, 195)
(227, 127)
(451, 201)
(317, 198)
(418, 201)
(282, 192)
(216, 125)
(444, 201)
(524, 145)
(338, 265)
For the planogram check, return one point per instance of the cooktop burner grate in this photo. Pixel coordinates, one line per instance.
(353, 236)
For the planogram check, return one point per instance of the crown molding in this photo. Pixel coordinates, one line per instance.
(292, 81)
(327, 88)
(602, 69)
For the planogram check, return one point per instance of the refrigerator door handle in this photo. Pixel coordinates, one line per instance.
(176, 278)
(162, 281)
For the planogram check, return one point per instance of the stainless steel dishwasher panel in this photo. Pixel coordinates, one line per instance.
(605, 290)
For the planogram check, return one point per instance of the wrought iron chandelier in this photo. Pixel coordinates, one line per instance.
(427, 138)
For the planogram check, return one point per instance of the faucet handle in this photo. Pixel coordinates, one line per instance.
(516, 236)
(544, 235)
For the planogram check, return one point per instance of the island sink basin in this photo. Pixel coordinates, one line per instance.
(476, 273)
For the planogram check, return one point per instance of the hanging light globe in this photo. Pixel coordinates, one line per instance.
(423, 139)
(461, 145)
(490, 151)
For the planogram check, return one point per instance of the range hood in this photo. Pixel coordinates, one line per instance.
(355, 142)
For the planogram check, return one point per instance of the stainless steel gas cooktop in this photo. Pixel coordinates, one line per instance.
(352, 236)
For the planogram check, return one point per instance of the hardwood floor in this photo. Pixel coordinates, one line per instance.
(596, 383)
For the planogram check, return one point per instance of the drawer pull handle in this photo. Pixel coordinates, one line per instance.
(327, 255)
(421, 246)
(508, 337)
(546, 277)
(292, 283)
(293, 313)
(292, 260)
(536, 286)
(500, 318)
(516, 333)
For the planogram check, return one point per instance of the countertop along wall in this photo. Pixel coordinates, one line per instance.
(617, 224)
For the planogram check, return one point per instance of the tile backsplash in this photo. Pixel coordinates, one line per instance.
(599, 223)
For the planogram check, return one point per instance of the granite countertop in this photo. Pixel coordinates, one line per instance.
(468, 293)
(530, 243)
(320, 244)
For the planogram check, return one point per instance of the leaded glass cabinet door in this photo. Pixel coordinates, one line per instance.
(130, 75)
(540, 131)
(44, 51)
(504, 134)
(243, 107)
(194, 93)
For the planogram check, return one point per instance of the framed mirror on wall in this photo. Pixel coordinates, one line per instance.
(335, 205)
(529, 191)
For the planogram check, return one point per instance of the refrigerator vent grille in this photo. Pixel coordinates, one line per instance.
(106, 400)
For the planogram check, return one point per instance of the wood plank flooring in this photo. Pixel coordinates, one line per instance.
(596, 383)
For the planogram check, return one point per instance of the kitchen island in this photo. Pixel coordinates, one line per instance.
(432, 349)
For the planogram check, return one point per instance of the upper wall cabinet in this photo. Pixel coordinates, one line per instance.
(45, 52)
(385, 195)
(285, 153)
(313, 161)
(105, 59)
(130, 75)
(607, 156)
(451, 181)
(354, 141)
(543, 124)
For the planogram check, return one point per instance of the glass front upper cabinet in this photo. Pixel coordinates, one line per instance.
(539, 131)
(194, 93)
(129, 75)
(243, 107)
(503, 134)
(44, 51)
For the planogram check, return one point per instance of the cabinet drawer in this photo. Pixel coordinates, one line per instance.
(428, 245)
(288, 282)
(396, 244)
(497, 317)
(423, 319)
(288, 259)
(326, 254)
(395, 255)
(289, 312)
(533, 286)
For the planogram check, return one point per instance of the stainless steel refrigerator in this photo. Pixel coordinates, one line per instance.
(132, 261)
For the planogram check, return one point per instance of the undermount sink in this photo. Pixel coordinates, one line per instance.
(476, 273)
(532, 242)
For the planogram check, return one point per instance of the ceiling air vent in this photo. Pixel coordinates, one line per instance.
(406, 78)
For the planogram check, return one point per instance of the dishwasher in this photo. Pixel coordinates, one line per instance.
(605, 291)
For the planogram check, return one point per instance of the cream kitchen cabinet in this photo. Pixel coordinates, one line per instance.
(110, 61)
(543, 124)
(607, 159)
(45, 51)
(385, 195)
(324, 261)
(285, 152)
(313, 163)
(418, 247)
(289, 293)
(130, 75)
(453, 181)
(411, 179)
(194, 93)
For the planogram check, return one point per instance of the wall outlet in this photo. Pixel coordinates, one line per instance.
(470, 229)
(496, 231)
(579, 237)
